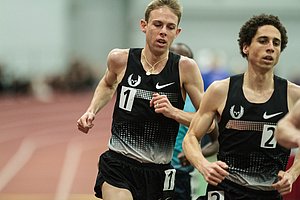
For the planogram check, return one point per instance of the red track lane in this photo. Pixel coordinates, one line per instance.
(42, 154)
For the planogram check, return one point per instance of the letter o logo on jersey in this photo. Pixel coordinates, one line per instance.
(215, 195)
(134, 82)
(236, 114)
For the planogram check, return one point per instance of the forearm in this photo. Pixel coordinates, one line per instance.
(183, 117)
(192, 151)
(295, 169)
(102, 95)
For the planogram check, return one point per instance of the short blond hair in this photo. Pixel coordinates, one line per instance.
(172, 4)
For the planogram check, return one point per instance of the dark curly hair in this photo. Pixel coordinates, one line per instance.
(248, 30)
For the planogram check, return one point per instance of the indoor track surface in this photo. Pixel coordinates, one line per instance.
(42, 154)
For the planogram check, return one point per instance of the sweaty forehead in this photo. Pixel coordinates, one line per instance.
(163, 14)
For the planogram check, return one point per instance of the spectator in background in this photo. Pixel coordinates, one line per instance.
(78, 77)
(12, 85)
(179, 162)
(214, 71)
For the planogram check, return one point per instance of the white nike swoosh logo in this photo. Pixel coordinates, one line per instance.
(165, 199)
(266, 116)
(163, 86)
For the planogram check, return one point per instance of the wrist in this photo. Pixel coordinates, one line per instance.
(200, 165)
(175, 115)
(90, 113)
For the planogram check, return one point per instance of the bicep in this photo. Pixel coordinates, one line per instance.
(210, 106)
(110, 78)
(204, 116)
(116, 65)
(201, 124)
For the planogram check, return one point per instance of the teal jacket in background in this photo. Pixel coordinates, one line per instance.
(188, 107)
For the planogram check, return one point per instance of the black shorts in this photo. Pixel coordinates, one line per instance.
(228, 190)
(182, 185)
(145, 181)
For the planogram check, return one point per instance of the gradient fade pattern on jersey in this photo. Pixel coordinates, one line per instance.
(246, 137)
(137, 131)
(246, 125)
(147, 95)
(140, 142)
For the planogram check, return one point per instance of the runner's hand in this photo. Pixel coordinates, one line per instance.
(85, 123)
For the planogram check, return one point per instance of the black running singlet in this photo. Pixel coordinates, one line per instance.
(247, 142)
(137, 131)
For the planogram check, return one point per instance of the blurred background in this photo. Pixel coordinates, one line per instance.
(52, 54)
(40, 39)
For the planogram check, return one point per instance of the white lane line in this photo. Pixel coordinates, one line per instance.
(17, 162)
(27, 148)
(34, 121)
(68, 173)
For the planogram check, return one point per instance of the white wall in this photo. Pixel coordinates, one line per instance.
(33, 36)
(96, 27)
